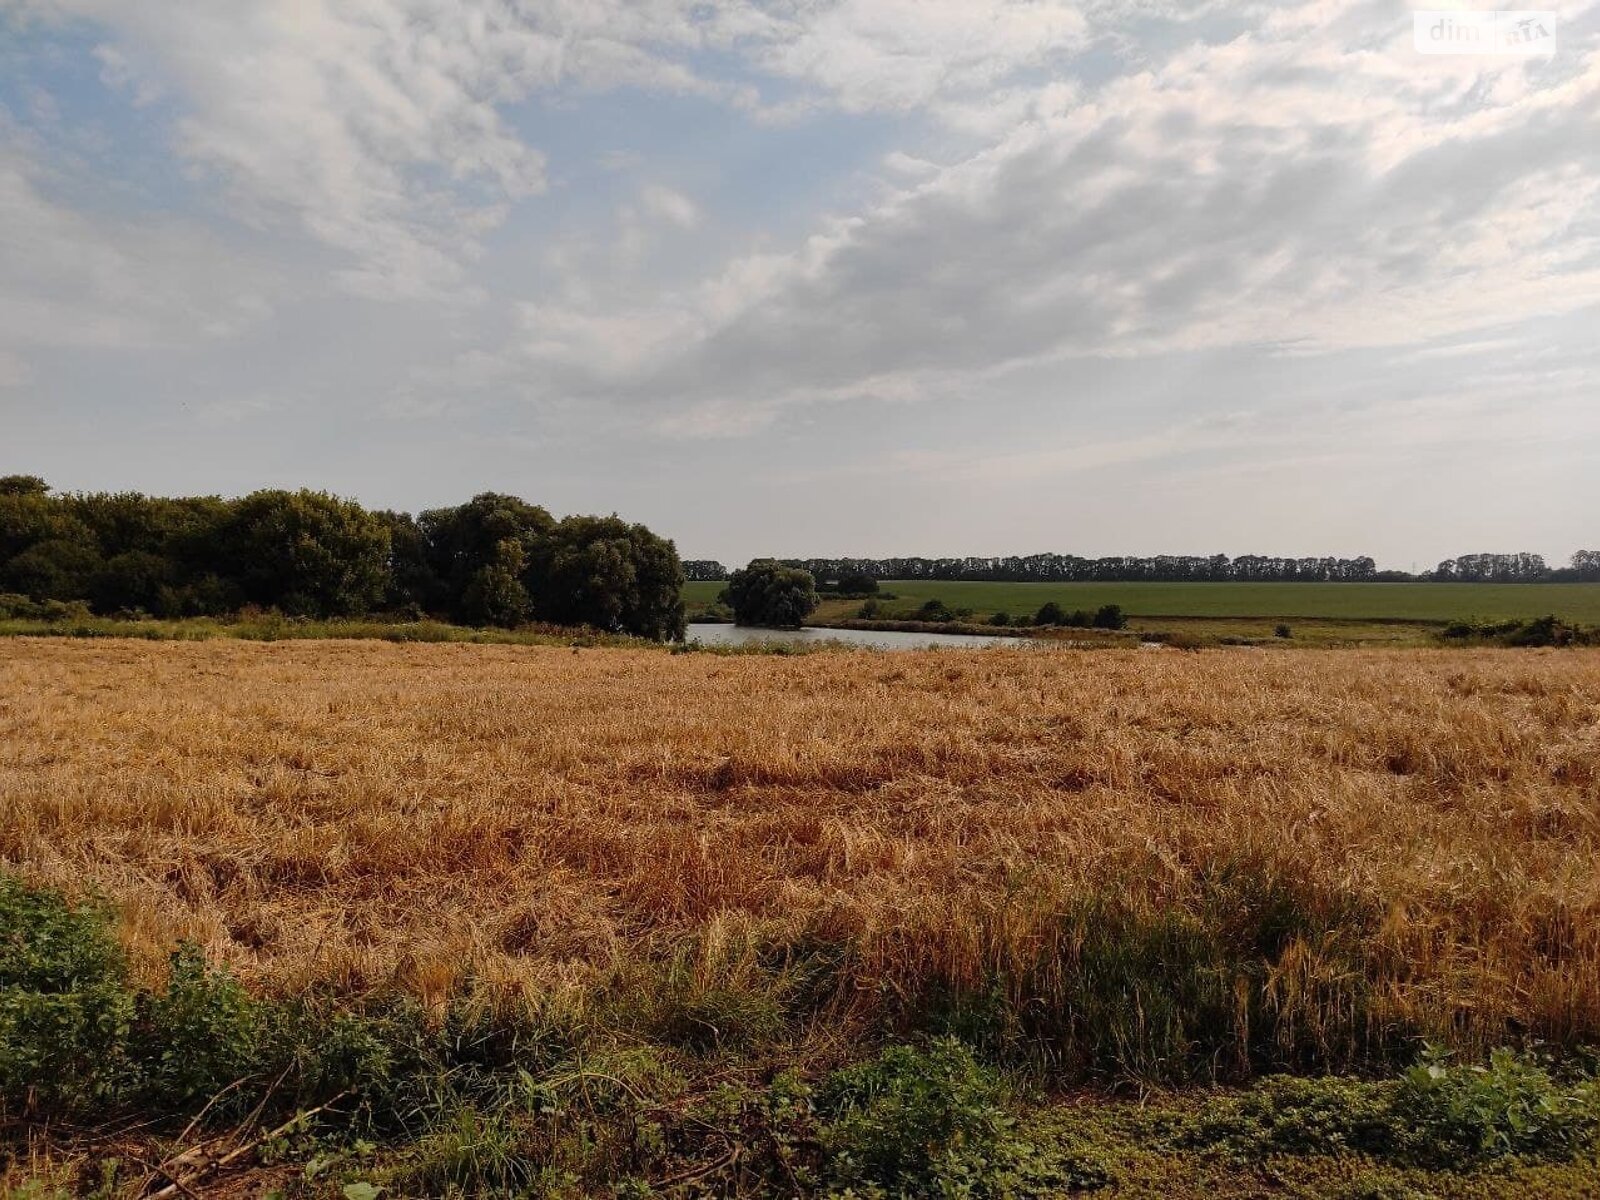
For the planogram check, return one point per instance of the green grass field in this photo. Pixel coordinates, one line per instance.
(1579, 602)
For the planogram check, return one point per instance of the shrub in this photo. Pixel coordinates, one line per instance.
(53, 569)
(858, 585)
(75, 1037)
(64, 1011)
(14, 606)
(919, 1123)
(769, 594)
(1541, 631)
(199, 1035)
(1110, 616)
(1286, 1115)
(1050, 613)
(1435, 1115)
(1001, 618)
(1511, 1106)
(1282, 631)
(935, 610)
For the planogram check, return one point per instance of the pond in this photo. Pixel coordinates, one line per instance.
(878, 639)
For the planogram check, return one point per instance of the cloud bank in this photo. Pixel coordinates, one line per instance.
(625, 248)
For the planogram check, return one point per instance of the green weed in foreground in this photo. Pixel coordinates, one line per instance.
(1434, 1115)
(711, 1086)
(77, 1039)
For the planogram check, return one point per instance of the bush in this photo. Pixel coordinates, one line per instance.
(1286, 1115)
(77, 1037)
(767, 593)
(928, 1122)
(858, 585)
(14, 606)
(1110, 616)
(65, 1014)
(1050, 613)
(1282, 631)
(1001, 619)
(1541, 631)
(1436, 1115)
(1511, 1106)
(1544, 631)
(935, 610)
(202, 1033)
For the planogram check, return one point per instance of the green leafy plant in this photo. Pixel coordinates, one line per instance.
(927, 1122)
(1513, 1105)
(201, 1034)
(65, 1013)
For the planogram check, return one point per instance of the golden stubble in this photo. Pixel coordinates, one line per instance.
(367, 816)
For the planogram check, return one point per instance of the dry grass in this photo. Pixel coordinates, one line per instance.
(1408, 842)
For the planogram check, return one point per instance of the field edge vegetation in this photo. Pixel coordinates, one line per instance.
(114, 1089)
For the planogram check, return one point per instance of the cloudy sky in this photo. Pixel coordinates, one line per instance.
(815, 276)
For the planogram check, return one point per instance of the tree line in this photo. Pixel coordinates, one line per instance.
(1179, 568)
(495, 560)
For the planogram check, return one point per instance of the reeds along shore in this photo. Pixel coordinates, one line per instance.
(1150, 864)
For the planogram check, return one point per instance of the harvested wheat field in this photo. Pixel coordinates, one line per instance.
(1293, 857)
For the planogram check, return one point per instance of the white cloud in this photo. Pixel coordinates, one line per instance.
(667, 205)
(1310, 185)
(899, 54)
(376, 125)
(70, 280)
(1044, 190)
(372, 126)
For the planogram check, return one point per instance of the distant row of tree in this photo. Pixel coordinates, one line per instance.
(1517, 568)
(496, 560)
(1178, 568)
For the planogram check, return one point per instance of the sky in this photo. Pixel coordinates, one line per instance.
(816, 277)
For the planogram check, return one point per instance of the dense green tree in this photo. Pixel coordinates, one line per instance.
(412, 588)
(465, 553)
(495, 593)
(705, 569)
(769, 594)
(28, 518)
(1110, 616)
(1050, 613)
(608, 574)
(22, 485)
(186, 535)
(134, 579)
(494, 560)
(180, 529)
(306, 553)
(53, 569)
(857, 584)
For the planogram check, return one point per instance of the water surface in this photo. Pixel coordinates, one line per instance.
(878, 639)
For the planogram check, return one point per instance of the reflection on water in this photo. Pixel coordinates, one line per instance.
(880, 639)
